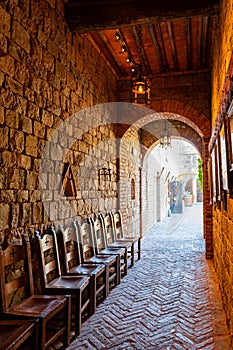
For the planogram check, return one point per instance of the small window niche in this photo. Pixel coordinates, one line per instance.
(68, 188)
(133, 189)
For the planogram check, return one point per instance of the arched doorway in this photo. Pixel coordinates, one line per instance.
(142, 135)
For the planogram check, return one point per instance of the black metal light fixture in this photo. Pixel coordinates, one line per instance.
(141, 85)
(141, 89)
(165, 139)
(105, 174)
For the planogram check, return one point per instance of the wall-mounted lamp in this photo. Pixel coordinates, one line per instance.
(105, 174)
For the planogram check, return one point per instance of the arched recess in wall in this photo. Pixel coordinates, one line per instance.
(196, 121)
(132, 182)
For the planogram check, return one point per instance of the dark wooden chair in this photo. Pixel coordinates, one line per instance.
(86, 242)
(53, 282)
(19, 302)
(114, 243)
(71, 264)
(120, 237)
(101, 247)
(18, 334)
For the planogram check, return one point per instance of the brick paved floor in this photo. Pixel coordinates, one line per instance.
(169, 300)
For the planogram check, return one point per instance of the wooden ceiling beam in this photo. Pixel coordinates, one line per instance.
(173, 45)
(199, 42)
(188, 43)
(204, 40)
(166, 67)
(157, 47)
(95, 15)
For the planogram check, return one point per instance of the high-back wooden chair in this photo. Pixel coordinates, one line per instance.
(101, 247)
(53, 282)
(115, 243)
(18, 299)
(18, 334)
(71, 264)
(87, 249)
(119, 234)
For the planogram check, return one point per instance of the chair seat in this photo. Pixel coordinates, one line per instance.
(14, 333)
(104, 259)
(120, 244)
(125, 239)
(113, 251)
(88, 269)
(36, 305)
(68, 282)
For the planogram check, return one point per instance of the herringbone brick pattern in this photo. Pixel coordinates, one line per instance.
(164, 302)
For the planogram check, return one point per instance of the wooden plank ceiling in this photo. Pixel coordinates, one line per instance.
(165, 36)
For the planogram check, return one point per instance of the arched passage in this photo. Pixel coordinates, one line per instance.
(138, 139)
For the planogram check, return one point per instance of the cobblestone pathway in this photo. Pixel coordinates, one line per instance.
(169, 300)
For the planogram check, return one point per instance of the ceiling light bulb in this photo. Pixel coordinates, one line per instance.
(140, 89)
(117, 36)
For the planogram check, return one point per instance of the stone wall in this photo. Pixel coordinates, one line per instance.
(48, 74)
(222, 219)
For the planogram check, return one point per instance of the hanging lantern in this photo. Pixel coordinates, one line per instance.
(165, 140)
(141, 89)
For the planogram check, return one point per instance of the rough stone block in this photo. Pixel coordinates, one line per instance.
(5, 216)
(12, 119)
(21, 36)
(15, 213)
(36, 213)
(26, 214)
(26, 125)
(39, 129)
(16, 179)
(17, 140)
(4, 137)
(24, 162)
(31, 145)
(5, 22)
(14, 86)
(31, 180)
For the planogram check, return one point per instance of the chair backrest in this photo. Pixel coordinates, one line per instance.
(68, 247)
(99, 235)
(109, 228)
(85, 238)
(15, 274)
(47, 250)
(118, 225)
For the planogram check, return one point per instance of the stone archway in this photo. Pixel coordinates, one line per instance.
(199, 123)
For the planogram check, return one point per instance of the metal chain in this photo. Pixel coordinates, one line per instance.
(140, 43)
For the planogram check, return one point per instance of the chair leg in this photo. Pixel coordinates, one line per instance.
(78, 313)
(43, 334)
(118, 271)
(66, 336)
(93, 293)
(126, 264)
(106, 289)
(139, 249)
(132, 255)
